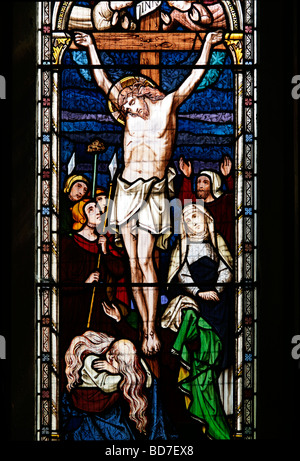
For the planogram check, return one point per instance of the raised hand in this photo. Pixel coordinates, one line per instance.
(112, 311)
(83, 39)
(226, 165)
(215, 37)
(185, 167)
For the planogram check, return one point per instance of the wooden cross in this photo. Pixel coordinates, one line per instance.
(149, 42)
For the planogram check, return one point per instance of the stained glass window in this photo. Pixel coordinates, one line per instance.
(146, 220)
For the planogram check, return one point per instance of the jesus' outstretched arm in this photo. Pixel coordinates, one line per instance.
(190, 83)
(100, 75)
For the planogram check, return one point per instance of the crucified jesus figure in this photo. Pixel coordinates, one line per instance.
(150, 121)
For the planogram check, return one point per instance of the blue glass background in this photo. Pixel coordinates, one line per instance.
(205, 120)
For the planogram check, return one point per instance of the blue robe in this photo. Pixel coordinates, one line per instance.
(114, 423)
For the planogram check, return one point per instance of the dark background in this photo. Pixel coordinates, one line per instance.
(278, 385)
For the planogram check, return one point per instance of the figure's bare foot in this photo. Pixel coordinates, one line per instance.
(144, 346)
(153, 343)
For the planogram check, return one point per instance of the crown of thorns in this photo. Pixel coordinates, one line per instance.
(132, 83)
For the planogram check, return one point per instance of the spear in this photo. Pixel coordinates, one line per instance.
(112, 169)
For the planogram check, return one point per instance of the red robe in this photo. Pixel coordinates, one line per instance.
(79, 258)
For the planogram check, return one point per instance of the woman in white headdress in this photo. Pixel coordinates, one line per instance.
(201, 313)
(200, 272)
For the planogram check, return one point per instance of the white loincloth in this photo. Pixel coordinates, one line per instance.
(144, 202)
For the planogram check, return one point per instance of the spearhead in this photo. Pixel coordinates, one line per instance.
(113, 166)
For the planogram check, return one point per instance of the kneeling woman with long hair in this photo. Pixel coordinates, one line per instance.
(111, 368)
